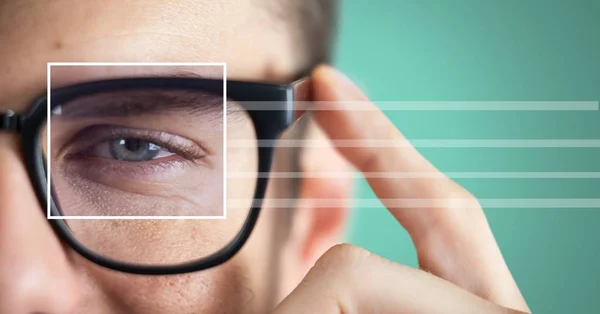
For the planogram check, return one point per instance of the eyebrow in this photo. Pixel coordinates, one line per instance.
(62, 76)
(182, 74)
(145, 102)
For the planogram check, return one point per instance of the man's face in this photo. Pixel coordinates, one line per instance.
(38, 273)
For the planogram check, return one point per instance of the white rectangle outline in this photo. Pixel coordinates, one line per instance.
(48, 187)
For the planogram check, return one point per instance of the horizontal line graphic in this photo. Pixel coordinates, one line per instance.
(565, 203)
(417, 175)
(429, 105)
(431, 143)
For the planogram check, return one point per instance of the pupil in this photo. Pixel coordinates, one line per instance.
(133, 150)
(134, 145)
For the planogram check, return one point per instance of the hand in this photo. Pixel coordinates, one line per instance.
(462, 268)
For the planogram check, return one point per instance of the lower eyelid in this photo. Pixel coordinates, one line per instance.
(101, 169)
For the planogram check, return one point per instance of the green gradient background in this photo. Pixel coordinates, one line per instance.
(492, 50)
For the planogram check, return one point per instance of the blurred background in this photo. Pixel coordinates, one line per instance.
(527, 50)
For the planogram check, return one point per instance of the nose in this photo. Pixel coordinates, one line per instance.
(35, 273)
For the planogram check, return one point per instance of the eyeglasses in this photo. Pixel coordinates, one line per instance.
(154, 147)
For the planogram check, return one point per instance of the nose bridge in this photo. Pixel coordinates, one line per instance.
(33, 262)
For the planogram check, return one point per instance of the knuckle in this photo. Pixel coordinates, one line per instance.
(370, 161)
(461, 192)
(342, 258)
(334, 276)
(468, 200)
(456, 197)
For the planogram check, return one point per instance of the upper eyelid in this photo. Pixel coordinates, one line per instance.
(94, 134)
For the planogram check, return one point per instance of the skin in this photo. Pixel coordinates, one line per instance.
(34, 263)
(39, 274)
(462, 269)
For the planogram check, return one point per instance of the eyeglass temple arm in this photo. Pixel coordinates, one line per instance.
(302, 89)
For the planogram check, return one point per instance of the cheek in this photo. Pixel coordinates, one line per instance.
(242, 164)
(262, 252)
(157, 241)
(242, 285)
(226, 289)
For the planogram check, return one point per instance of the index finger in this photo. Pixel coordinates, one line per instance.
(375, 145)
(447, 225)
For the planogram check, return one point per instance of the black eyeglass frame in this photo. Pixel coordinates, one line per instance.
(269, 125)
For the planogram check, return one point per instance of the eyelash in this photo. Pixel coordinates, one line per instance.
(99, 134)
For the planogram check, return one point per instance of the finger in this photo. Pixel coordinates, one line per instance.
(453, 243)
(370, 126)
(348, 279)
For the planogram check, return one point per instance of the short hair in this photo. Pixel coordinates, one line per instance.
(313, 27)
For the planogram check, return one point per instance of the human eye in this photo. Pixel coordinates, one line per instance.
(114, 169)
(113, 146)
(129, 149)
(142, 153)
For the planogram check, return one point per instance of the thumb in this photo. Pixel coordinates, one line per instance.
(348, 279)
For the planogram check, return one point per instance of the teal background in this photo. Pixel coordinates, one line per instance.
(488, 51)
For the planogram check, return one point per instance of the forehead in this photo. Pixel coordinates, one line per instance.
(242, 33)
